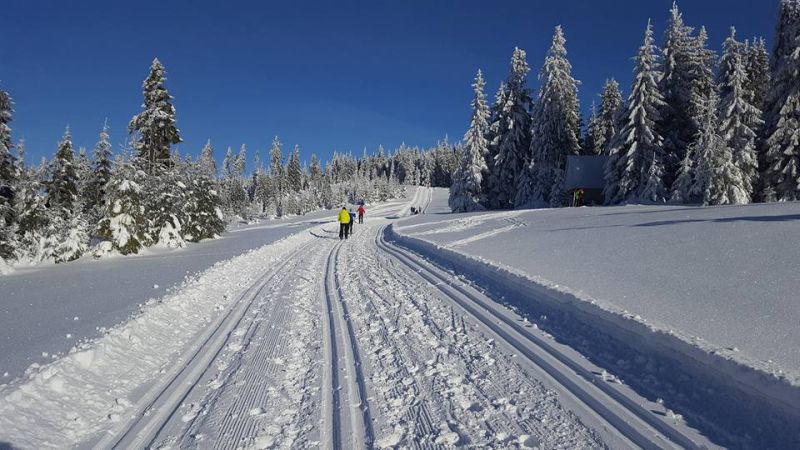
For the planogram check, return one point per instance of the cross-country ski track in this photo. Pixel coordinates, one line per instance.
(364, 344)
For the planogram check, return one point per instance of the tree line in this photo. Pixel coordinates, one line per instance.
(695, 128)
(147, 194)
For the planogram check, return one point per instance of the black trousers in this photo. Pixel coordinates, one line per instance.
(344, 230)
(360, 219)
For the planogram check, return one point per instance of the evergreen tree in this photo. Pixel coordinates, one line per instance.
(61, 189)
(277, 175)
(758, 76)
(154, 128)
(675, 124)
(635, 156)
(610, 108)
(738, 117)
(465, 193)
(703, 84)
(683, 185)
(513, 139)
(294, 173)
(124, 224)
(593, 143)
(206, 163)
(8, 180)
(497, 124)
(315, 170)
(782, 114)
(95, 193)
(556, 129)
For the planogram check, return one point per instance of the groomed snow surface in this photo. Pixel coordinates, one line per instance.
(435, 331)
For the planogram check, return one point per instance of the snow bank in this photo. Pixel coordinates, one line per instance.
(509, 251)
(86, 392)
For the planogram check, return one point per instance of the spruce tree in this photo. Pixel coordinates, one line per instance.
(123, 227)
(497, 123)
(154, 128)
(675, 124)
(555, 131)
(206, 163)
(513, 139)
(758, 76)
(466, 194)
(277, 175)
(61, 189)
(610, 108)
(739, 119)
(781, 154)
(94, 197)
(294, 173)
(8, 180)
(636, 151)
(593, 142)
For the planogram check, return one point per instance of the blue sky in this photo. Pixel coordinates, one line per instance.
(337, 75)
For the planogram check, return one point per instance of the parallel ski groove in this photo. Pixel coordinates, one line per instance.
(342, 343)
(165, 398)
(630, 425)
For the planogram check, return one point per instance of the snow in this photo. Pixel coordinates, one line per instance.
(723, 274)
(39, 302)
(280, 335)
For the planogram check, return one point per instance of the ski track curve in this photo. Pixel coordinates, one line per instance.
(624, 418)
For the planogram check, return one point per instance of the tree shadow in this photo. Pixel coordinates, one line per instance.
(661, 223)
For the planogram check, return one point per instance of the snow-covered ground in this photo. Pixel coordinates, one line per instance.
(314, 342)
(713, 287)
(45, 310)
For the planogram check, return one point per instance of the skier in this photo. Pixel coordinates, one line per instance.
(361, 212)
(352, 221)
(344, 223)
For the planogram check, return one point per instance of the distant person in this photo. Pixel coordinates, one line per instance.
(352, 221)
(344, 223)
(361, 212)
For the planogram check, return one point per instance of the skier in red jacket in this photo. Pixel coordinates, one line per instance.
(361, 212)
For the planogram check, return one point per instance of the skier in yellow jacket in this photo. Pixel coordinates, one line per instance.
(344, 223)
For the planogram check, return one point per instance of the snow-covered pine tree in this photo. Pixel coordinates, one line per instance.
(294, 173)
(593, 142)
(610, 108)
(123, 227)
(739, 119)
(637, 144)
(513, 139)
(676, 125)
(277, 175)
(497, 123)
(781, 175)
(8, 181)
(61, 189)
(95, 192)
(703, 61)
(465, 193)
(757, 68)
(682, 187)
(717, 174)
(207, 163)
(154, 128)
(202, 210)
(555, 129)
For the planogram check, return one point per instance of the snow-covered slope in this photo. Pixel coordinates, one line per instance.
(711, 288)
(45, 310)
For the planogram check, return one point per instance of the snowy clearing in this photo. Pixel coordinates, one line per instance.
(315, 342)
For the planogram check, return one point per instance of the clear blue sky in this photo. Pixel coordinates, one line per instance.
(324, 75)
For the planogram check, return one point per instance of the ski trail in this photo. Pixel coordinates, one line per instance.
(264, 391)
(164, 400)
(434, 380)
(345, 399)
(622, 416)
